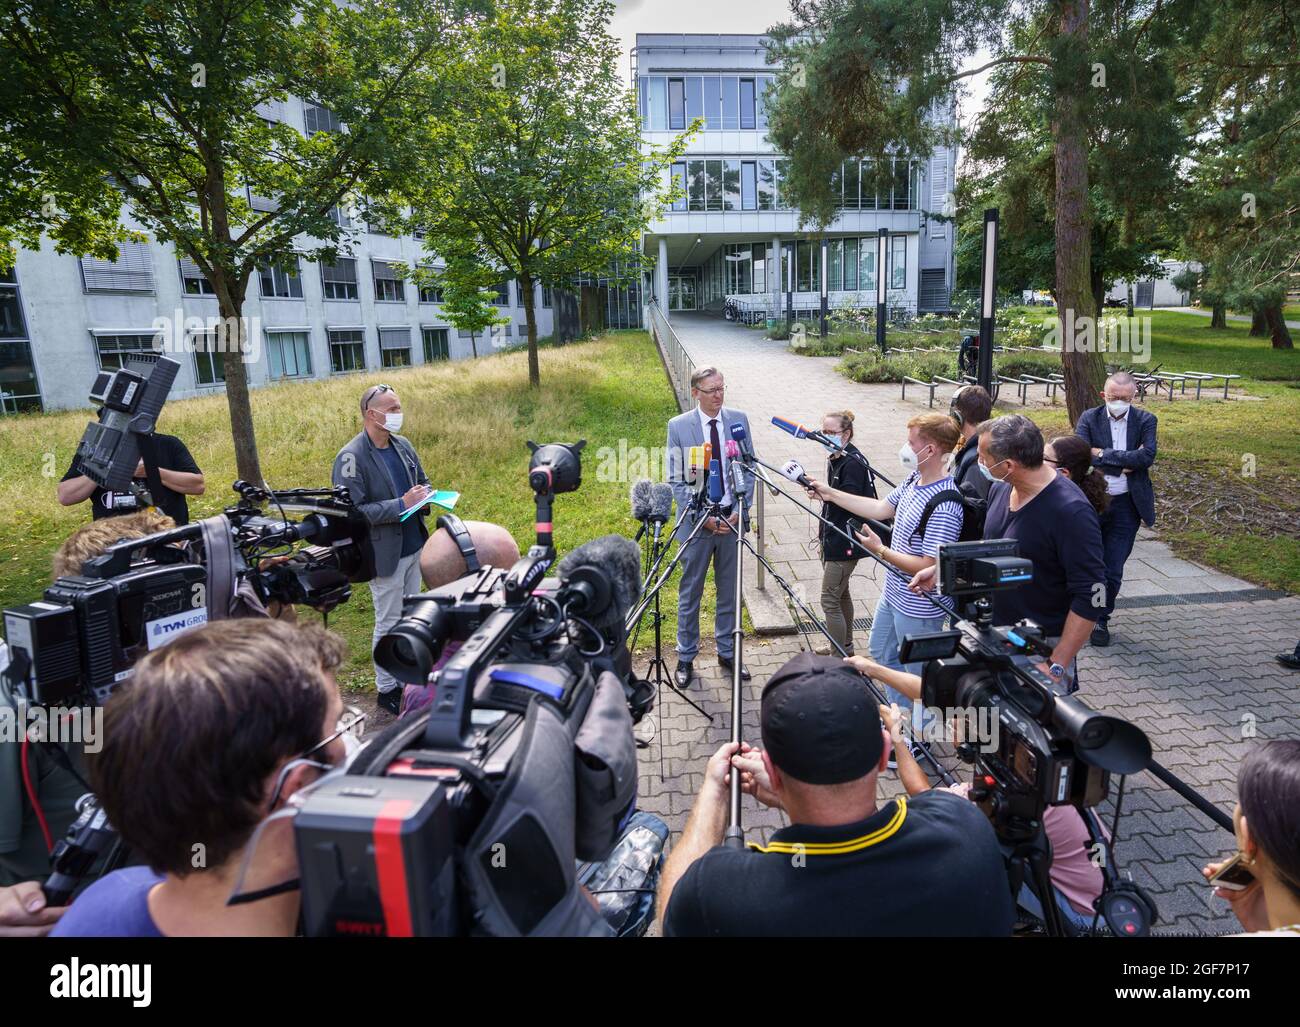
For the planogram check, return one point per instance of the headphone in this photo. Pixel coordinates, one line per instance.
(953, 412)
(457, 530)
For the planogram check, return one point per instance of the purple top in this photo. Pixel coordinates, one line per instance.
(115, 906)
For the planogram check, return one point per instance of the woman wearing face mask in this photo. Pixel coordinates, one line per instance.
(1072, 458)
(931, 438)
(840, 557)
(1266, 896)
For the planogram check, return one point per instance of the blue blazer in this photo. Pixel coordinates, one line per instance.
(1139, 453)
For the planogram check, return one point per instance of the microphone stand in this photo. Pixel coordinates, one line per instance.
(734, 835)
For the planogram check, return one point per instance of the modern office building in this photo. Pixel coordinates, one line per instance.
(732, 233)
(62, 318)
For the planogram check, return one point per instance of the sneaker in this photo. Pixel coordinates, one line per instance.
(1289, 660)
(390, 701)
(1100, 636)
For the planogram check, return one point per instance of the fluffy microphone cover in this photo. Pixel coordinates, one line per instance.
(619, 559)
(641, 499)
(661, 501)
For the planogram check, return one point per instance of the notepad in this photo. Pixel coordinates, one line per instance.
(446, 500)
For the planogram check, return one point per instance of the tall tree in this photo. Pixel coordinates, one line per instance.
(541, 172)
(864, 77)
(469, 302)
(167, 112)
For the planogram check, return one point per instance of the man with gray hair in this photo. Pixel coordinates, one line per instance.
(715, 542)
(385, 479)
(1058, 531)
(1123, 441)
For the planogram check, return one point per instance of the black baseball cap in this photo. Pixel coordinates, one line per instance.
(820, 722)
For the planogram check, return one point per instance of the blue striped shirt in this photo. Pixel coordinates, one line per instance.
(908, 501)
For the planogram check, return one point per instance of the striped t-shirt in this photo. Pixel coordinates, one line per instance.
(908, 501)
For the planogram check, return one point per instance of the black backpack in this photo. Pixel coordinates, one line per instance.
(973, 509)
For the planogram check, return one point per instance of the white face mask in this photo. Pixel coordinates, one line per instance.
(1117, 407)
(908, 458)
(393, 422)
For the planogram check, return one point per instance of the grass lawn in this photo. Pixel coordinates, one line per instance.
(469, 421)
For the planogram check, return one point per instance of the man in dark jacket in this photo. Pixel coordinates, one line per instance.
(1123, 441)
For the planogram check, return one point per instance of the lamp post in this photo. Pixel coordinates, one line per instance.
(882, 244)
(825, 284)
(988, 294)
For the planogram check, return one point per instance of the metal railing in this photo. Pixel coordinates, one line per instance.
(677, 361)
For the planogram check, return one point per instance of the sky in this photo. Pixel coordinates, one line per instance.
(633, 16)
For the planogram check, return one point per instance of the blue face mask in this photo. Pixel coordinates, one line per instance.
(837, 439)
(986, 472)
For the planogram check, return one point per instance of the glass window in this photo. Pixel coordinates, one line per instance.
(850, 176)
(835, 258)
(730, 102)
(347, 350)
(694, 99)
(319, 119)
(850, 264)
(389, 287)
(339, 280)
(868, 170)
(898, 262)
(435, 344)
(837, 186)
(546, 297)
(760, 102)
(209, 362)
(766, 185)
(713, 184)
(113, 349)
(746, 103)
(289, 353)
(658, 104)
(712, 103)
(431, 294)
(697, 185)
(277, 283)
(132, 271)
(395, 347)
(804, 267)
(731, 185)
(867, 264)
(11, 310)
(676, 104)
(679, 182)
(193, 281)
(340, 217)
(902, 185)
(748, 185)
(501, 295)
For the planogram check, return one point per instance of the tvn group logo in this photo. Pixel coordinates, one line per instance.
(164, 629)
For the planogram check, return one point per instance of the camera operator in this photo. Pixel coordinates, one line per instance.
(1266, 822)
(970, 407)
(840, 559)
(1076, 882)
(179, 474)
(931, 438)
(846, 866)
(384, 477)
(39, 788)
(1058, 531)
(447, 556)
(217, 731)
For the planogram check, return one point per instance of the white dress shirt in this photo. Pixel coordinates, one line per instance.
(1117, 484)
(728, 497)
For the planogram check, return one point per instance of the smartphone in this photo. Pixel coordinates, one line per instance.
(1233, 875)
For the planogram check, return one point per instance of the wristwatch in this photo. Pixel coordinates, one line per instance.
(1056, 670)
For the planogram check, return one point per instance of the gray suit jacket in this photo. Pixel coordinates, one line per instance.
(361, 469)
(685, 431)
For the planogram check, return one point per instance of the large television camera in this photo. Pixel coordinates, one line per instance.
(1042, 746)
(469, 817)
(84, 636)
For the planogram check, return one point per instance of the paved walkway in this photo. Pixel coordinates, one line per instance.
(1191, 660)
(1209, 313)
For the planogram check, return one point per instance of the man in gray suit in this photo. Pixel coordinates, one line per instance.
(382, 473)
(715, 542)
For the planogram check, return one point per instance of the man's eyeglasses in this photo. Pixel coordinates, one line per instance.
(712, 392)
(379, 390)
(351, 723)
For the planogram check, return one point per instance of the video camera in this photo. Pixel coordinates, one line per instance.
(1050, 748)
(83, 638)
(468, 817)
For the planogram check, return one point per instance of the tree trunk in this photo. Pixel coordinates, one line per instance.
(1130, 301)
(1083, 367)
(530, 319)
(473, 346)
(1219, 316)
(1277, 328)
(1258, 324)
(230, 302)
(525, 283)
(1098, 289)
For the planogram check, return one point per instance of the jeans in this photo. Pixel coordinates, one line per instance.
(1028, 901)
(387, 595)
(837, 604)
(1119, 528)
(887, 631)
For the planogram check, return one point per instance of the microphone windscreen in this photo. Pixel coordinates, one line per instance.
(793, 470)
(739, 435)
(793, 427)
(733, 450)
(619, 559)
(641, 499)
(715, 482)
(661, 501)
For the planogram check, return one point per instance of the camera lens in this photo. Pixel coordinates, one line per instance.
(412, 647)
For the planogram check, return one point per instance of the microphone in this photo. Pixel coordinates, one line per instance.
(715, 482)
(733, 450)
(661, 503)
(701, 457)
(800, 432)
(741, 438)
(600, 581)
(640, 495)
(793, 470)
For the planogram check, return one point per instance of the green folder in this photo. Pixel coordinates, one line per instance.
(446, 500)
